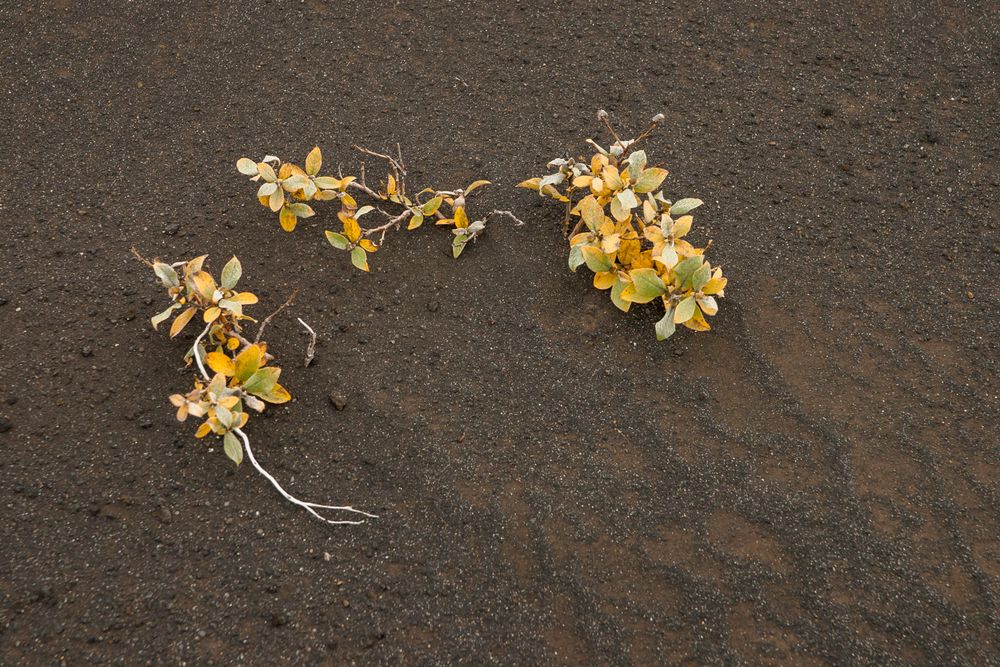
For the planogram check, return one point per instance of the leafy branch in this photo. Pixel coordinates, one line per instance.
(287, 187)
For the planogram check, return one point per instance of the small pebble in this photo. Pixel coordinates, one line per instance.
(339, 401)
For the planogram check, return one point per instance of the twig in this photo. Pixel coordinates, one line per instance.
(311, 347)
(393, 222)
(392, 161)
(603, 116)
(520, 223)
(141, 258)
(357, 185)
(309, 507)
(267, 320)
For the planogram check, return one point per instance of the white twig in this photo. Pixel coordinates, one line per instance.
(309, 507)
(311, 348)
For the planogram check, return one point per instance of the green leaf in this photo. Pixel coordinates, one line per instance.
(157, 319)
(665, 328)
(296, 182)
(431, 207)
(682, 206)
(359, 258)
(231, 273)
(616, 295)
(686, 269)
(627, 199)
(458, 245)
(648, 285)
(701, 276)
(684, 311)
(636, 163)
(338, 241)
(166, 274)
(263, 380)
(596, 260)
(575, 258)
(232, 447)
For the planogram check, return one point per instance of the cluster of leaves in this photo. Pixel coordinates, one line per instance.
(242, 378)
(630, 235)
(287, 188)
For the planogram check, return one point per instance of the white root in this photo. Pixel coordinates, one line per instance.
(309, 507)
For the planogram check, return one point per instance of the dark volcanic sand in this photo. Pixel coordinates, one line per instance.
(813, 482)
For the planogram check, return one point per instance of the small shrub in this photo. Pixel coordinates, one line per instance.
(287, 188)
(630, 235)
(242, 377)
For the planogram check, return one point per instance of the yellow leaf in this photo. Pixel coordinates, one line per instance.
(682, 226)
(244, 298)
(628, 251)
(461, 220)
(612, 178)
(232, 344)
(445, 221)
(229, 402)
(287, 219)
(203, 430)
(530, 184)
(276, 200)
(314, 161)
(220, 363)
(285, 170)
(715, 286)
(278, 394)
(368, 245)
(650, 179)
(181, 321)
(203, 284)
(582, 237)
(475, 185)
(697, 322)
(605, 280)
(610, 243)
(352, 230)
(212, 314)
(582, 181)
(390, 188)
(591, 212)
(247, 362)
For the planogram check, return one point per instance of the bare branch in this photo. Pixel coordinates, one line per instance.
(391, 160)
(267, 320)
(141, 258)
(518, 221)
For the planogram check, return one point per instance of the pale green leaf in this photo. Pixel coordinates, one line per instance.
(231, 273)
